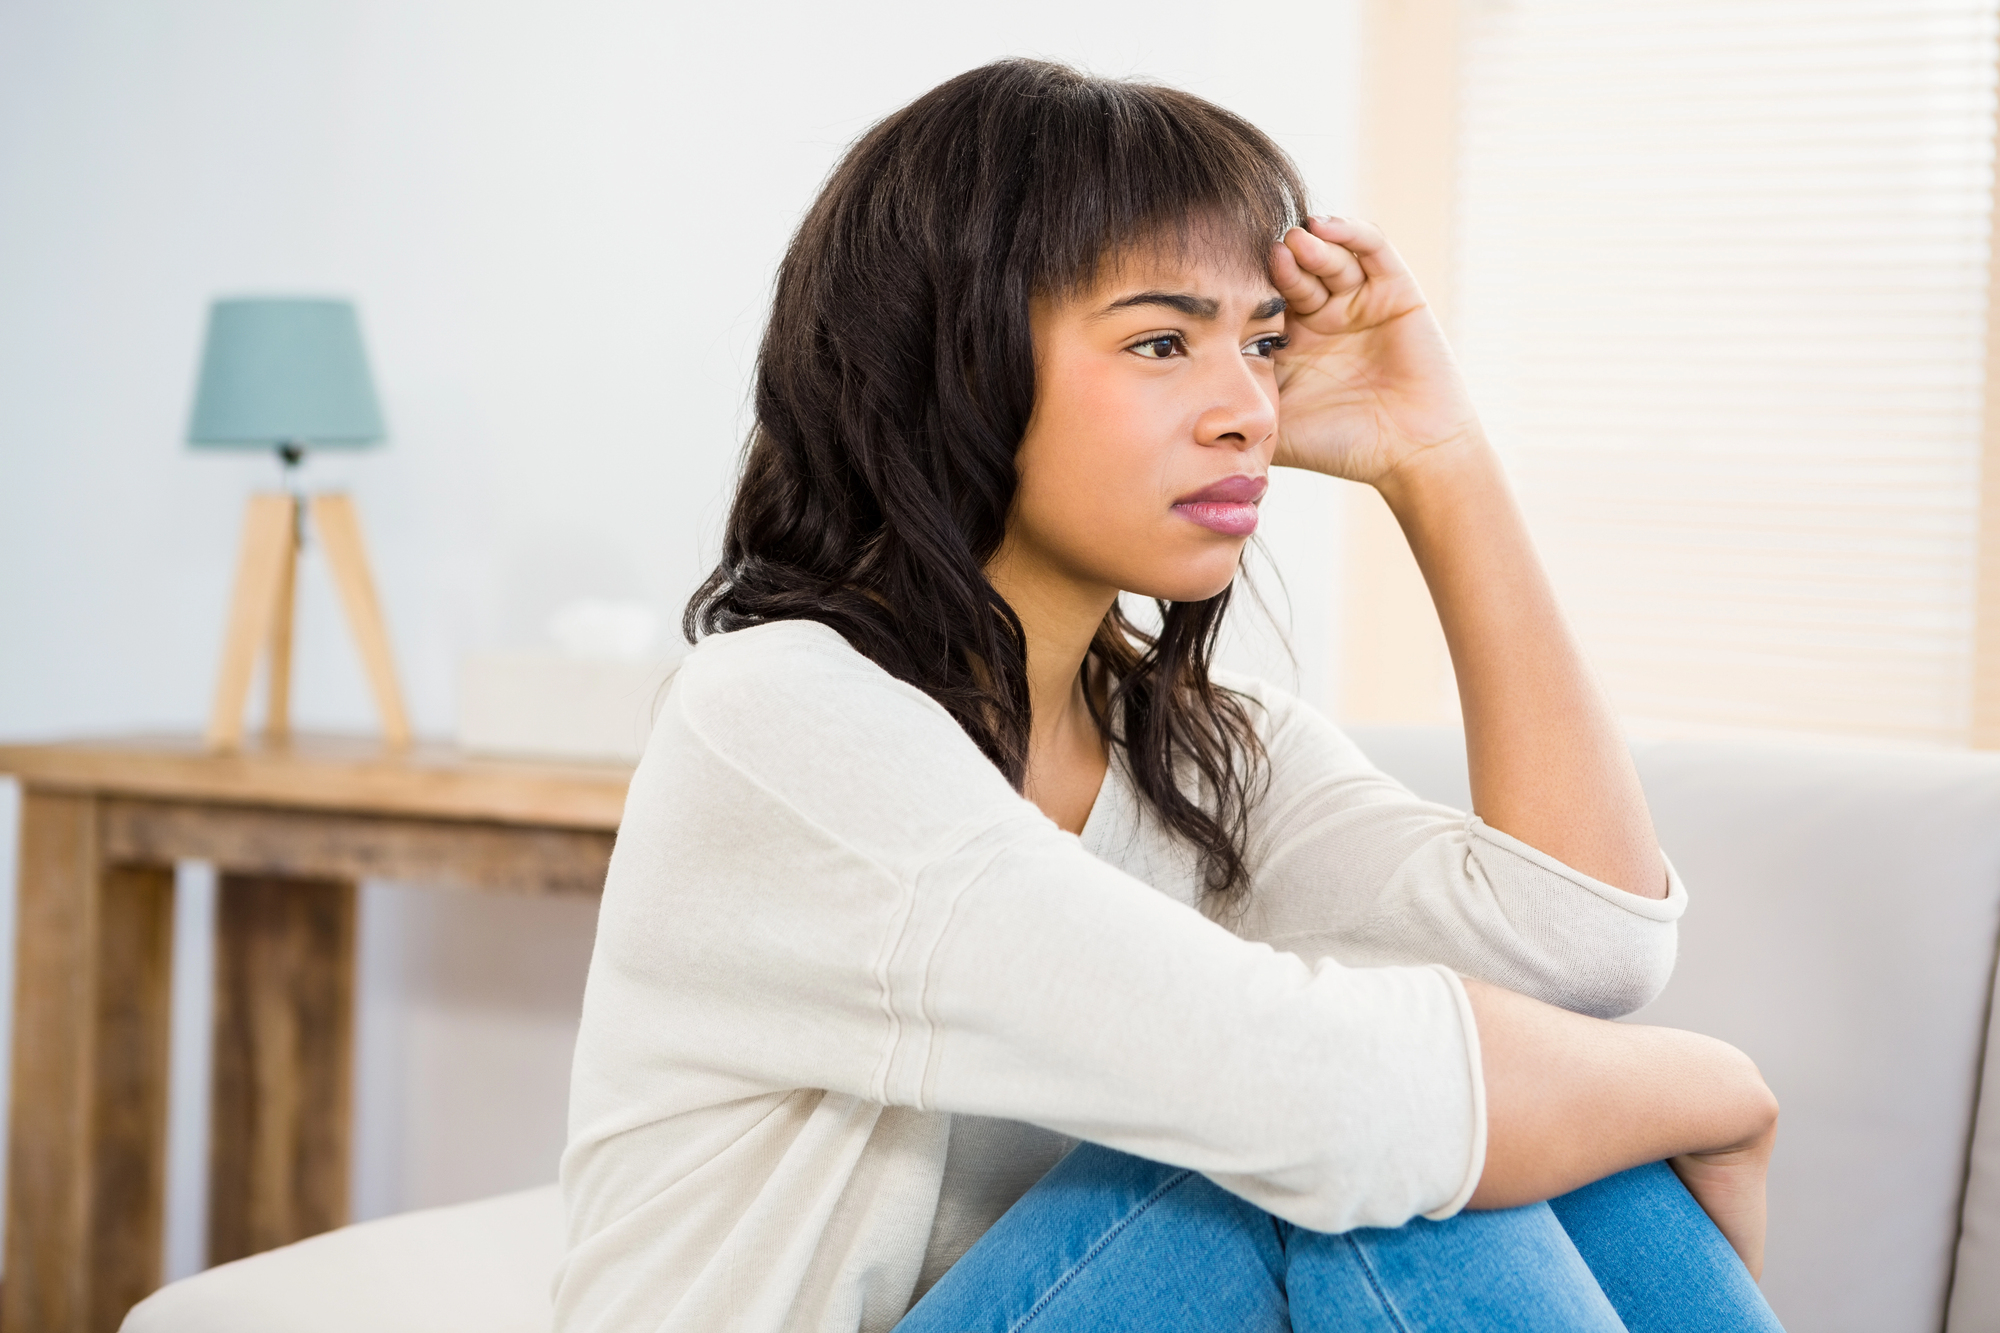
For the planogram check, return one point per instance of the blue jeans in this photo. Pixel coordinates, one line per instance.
(1108, 1242)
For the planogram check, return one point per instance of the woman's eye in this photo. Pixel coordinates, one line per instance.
(1158, 348)
(1267, 345)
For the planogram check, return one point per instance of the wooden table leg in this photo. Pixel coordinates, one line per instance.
(284, 1038)
(86, 1165)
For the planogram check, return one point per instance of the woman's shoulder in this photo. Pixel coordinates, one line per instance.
(781, 645)
(773, 651)
(785, 671)
(1295, 734)
(819, 728)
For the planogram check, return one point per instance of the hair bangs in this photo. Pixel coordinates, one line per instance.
(1126, 166)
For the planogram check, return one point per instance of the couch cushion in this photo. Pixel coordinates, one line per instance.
(480, 1267)
(1843, 910)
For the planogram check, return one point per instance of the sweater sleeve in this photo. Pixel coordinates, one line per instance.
(822, 883)
(1348, 863)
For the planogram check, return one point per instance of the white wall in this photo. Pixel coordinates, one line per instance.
(560, 222)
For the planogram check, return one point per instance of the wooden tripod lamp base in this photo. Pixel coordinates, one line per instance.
(260, 616)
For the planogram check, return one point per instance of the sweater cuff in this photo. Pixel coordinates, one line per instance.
(1475, 1165)
(1668, 908)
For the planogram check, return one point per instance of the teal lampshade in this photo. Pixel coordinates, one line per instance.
(284, 370)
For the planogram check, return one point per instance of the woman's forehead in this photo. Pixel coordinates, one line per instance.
(1215, 278)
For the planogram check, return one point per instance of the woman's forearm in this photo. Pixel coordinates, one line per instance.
(1571, 1099)
(1548, 762)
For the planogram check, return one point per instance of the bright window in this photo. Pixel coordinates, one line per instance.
(1721, 275)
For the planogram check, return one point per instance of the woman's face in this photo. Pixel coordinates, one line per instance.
(1156, 415)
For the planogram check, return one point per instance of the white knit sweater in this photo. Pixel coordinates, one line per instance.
(852, 994)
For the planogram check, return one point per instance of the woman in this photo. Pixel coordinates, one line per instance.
(938, 865)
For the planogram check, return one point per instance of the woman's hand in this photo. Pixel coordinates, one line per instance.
(1367, 382)
(1728, 1183)
(1571, 1099)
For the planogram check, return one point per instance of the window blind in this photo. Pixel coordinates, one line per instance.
(1720, 288)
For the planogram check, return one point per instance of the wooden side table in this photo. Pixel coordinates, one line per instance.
(291, 830)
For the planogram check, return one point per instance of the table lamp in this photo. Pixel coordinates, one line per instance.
(289, 374)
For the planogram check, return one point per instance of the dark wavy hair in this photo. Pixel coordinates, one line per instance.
(895, 383)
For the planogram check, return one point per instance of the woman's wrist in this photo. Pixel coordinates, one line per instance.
(1445, 473)
(1571, 1099)
(1728, 1184)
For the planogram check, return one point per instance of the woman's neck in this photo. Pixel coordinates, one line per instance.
(1066, 754)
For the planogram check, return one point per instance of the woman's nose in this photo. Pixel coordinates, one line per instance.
(1245, 414)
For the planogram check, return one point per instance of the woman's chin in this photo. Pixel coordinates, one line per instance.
(1184, 585)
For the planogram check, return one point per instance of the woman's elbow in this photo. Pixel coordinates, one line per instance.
(1618, 982)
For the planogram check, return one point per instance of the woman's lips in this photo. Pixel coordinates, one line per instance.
(1228, 507)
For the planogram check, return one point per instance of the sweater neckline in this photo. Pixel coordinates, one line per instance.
(1103, 815)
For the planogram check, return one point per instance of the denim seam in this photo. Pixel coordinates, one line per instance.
(1375, 1284)
(1054, 1290)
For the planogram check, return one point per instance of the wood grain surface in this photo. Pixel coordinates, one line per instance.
(320, 844)
(284, 1037)
(263, 559)
(87, 1141)
(129, 1100)
(339, 527)
(48, 1145)
(333, 773)
(278, 663)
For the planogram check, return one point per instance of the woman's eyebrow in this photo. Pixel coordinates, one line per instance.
(1195, 307)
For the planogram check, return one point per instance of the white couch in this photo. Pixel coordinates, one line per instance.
(1846, 907)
